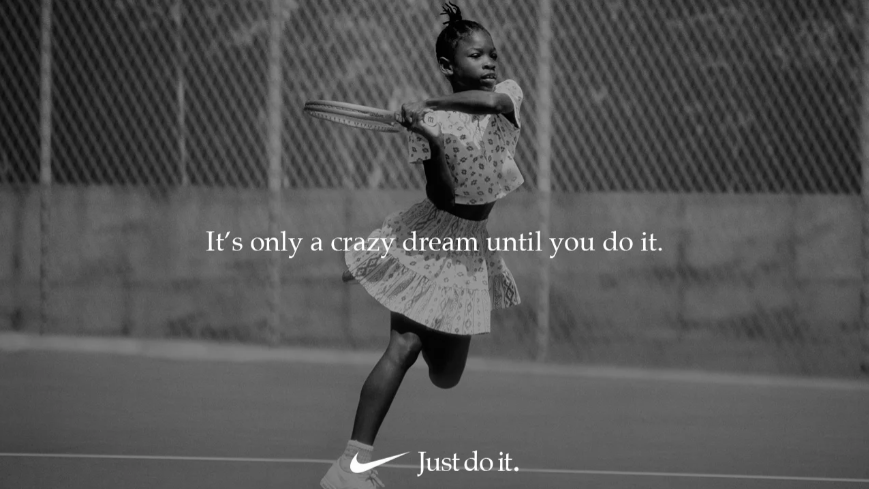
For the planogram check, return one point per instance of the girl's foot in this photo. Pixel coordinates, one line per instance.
(338, 478)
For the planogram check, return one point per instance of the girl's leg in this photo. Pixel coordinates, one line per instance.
(380, 387)
(446, 356)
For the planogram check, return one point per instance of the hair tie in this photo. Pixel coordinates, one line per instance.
(452, 11)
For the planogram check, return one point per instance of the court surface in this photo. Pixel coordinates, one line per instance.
(97, 420)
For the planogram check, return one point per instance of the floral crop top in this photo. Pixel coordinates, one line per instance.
(479, 150)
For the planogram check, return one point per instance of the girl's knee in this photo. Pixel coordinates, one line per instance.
(445, 380)
(405, 347)
(446, 362)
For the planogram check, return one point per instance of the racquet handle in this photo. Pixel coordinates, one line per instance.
(428, 119)
(360, 116)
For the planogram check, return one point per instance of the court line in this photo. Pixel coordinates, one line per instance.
(187, 350)
(617, 473)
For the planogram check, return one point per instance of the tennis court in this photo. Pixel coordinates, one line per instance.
(733, 135)
(92, 420)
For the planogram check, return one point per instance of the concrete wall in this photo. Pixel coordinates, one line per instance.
(743, 283)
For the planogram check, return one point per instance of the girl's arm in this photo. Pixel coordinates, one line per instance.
(472, 102)
(439, 187)
(469, 101)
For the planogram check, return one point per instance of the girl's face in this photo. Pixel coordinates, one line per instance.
(474, 63)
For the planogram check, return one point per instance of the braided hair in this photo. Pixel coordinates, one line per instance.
(456, 29)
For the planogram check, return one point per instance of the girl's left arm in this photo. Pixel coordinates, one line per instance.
(476, 102)
(473, 102)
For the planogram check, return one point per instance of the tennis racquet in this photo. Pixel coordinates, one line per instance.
(358, 116)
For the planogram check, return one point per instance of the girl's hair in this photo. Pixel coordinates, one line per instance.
(456, 29)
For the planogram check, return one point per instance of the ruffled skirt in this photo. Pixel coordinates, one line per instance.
(437, 270)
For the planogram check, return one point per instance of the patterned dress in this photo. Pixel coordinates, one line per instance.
(429, 274)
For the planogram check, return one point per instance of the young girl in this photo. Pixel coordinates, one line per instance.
(439, 299)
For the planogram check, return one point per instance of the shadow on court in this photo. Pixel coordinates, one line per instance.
(134, 422)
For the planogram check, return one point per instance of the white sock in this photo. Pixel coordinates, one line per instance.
(354, 447)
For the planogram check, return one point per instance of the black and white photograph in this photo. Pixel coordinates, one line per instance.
(428, 244)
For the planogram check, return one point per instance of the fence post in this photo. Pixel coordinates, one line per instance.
(544, 155)
(275, 131)
(180, 91)
(864, 165)
(44, 164)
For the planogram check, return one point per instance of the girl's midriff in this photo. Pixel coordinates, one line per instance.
(476, 212)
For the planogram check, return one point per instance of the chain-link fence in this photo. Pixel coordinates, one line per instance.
(665, 96)
(723, 100)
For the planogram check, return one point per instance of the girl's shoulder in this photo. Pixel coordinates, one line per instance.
(508, 84)
(510, 87)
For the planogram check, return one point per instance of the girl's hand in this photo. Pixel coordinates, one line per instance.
(412, 116)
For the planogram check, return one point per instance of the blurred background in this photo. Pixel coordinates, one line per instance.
(729, 129)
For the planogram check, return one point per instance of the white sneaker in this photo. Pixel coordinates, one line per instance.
(338, 478)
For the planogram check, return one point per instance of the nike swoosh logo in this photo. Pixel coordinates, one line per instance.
(358, 468)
